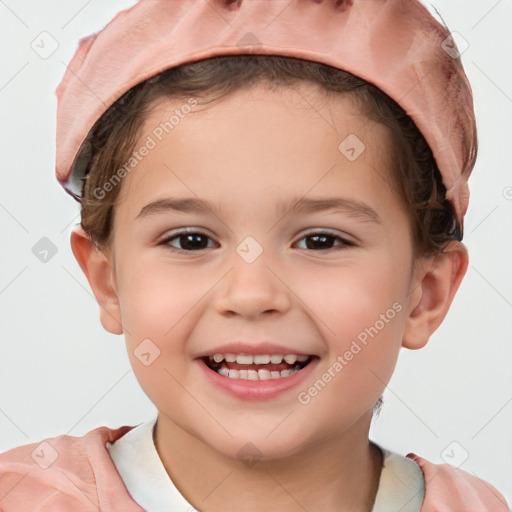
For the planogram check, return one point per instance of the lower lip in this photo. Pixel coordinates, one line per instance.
(257, 389)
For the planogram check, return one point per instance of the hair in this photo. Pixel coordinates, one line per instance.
(112, 139)
(414, 172)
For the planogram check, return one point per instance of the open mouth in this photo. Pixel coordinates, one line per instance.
(256, 367)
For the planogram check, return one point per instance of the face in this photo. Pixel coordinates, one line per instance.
(257, 228)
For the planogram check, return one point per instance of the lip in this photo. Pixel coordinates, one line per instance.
(255, 349)
(257, 389)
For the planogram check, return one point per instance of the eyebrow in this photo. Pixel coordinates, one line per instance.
(351, 207)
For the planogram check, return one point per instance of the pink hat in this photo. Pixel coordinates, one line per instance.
(394, 44)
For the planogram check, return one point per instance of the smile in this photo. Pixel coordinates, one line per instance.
(256, 367)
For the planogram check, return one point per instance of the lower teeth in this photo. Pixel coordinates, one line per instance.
(256, 374)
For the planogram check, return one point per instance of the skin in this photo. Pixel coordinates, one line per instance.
(247, 153)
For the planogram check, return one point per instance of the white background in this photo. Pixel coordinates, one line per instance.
(61, 373)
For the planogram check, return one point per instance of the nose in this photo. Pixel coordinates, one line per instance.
(251, 290)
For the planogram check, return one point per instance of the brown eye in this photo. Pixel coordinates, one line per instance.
(324, 241)
(188, 241)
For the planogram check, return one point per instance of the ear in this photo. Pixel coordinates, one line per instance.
(434, 284)
(98, 270)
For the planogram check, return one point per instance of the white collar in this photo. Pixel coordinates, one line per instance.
(401, 485)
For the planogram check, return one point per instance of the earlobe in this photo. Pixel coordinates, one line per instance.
(99, 272)
(434, 285)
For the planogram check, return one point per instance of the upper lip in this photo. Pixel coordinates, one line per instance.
(256, 348)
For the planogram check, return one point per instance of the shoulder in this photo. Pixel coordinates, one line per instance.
(448, 488)
(64, 473)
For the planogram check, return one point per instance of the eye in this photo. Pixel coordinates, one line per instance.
(190, 241)
(324, 240)
(187, 241)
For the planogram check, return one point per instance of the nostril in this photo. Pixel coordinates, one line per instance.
(344, 5)
(233, 4)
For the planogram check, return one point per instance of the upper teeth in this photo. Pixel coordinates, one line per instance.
(259, 359)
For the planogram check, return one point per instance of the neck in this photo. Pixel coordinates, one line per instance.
(339, 474)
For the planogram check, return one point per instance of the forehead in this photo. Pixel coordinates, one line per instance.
(272, 142)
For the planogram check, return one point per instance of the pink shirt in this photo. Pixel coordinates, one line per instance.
(77, 474)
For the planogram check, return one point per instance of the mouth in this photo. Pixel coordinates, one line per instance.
(261, 367)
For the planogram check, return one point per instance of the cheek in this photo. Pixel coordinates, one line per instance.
(365, 292)
(157, 297)
(361, 314)
(157, 304)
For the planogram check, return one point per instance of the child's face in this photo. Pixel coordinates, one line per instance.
(250, 158)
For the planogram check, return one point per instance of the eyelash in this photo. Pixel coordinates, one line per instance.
(344, 242)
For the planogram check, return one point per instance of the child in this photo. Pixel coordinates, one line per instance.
(272, 206)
